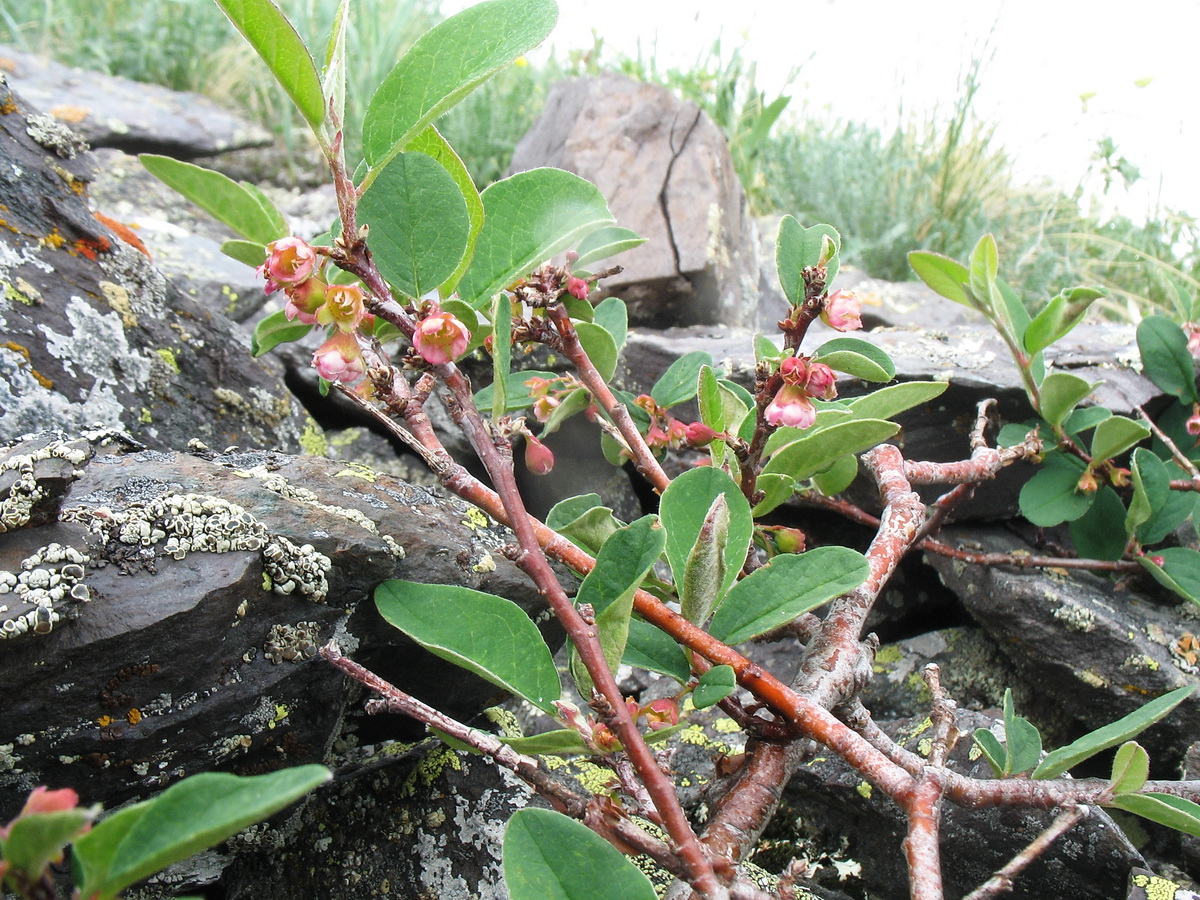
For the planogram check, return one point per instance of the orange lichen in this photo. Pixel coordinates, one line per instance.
(134, 716)
(89, 247)
(8, 106)
(24, 352)
(72, 115)
(104, 721)
(54, 239)
(123, 231)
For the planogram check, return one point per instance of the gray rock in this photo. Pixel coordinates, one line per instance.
(1087, 650)
(108, 111)
(666, 172)
(163, 611)
(95, 334)
(828, 805)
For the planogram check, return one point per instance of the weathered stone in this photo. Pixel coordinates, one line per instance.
(828, 807)
(192, 596)
(109, 111)
(665, 170)
(1087, 652)
(94, 334)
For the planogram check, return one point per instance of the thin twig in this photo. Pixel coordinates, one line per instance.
(1002, 881)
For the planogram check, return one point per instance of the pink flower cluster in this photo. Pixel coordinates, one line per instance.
(803, 380)
(665, 430)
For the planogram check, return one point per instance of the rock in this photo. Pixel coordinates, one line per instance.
(836, 819)
(108, 111)
(163, 610)
(1087, 652)
(93, 333)
(665, 170)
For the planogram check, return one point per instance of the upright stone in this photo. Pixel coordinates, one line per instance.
(666, 171)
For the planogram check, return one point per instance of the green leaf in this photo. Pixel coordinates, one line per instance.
(889, 401)
(838, 476)
(35, 839)
(993, 751)
(1131, 768)
(1083, 419)
(333, 75)
(501, 347)
(765, 348)
(563, 742)
(272, 36)
(446, 64)
(274, 330)
(600, 346)
(798, 247)
(625, 559)
(857, 357)
(1166, 518)
(584, 520)
(984, 265)
(515, 390)
(186, 818)
(575, 402)
(1061, 392)
(656, 651)
(219, 196)
(685, 505)
(714, 686)
(1111, 735)
(1116, 435)
(1165, 809)
(1151, 487)
(1093, 533)
(776, 489)
(944, 276)
(432, 144)
(249, 252)
(278, 222)
(548, 856)
(528, 218)
(1051, 496)
(827, 414)
(804, 458)
(604, 243)
(1022, 740)
(1180, 571)
(1059, 316)
(1165, 357)
(788, 586)
(419, 223)
(612, 315)
(482, 633)
(679, 383)
(704, 572)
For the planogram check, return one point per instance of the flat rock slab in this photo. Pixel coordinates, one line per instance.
(109, 111)
(160, 613)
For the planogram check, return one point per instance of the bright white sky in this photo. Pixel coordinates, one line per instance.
(873, 55)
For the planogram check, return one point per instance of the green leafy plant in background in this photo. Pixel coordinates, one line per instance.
(423, 268)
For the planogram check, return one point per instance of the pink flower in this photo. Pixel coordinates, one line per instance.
(538, 458)
(343, 307)
(820, 382)
(340, 359)
(661, 713)
(290, 260)
(794, 369)
(843, 311)
(791, 406)
(577, 288)
(304, 300)
(441, 338)
(44, 800)
(700, 435)
(543, 407)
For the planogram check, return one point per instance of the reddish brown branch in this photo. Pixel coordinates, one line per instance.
(923, 806)
(1002, 881)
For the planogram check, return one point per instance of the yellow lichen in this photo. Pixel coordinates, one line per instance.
(118, 299)
(357, 470)
(485, 564)
(145, 418)
(281, 713)
(475, 519)
(134, 716)
(167, 355)
(53, 239)
(864, 789)
(312, 439)
(104, 721)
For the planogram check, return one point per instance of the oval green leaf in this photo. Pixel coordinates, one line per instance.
(1165, 357)
(218, 195)
(419, 223)
(679, 383)
(548, 856)
(528, 218)
(786, 587)
(1061, 392)
(806, 457)
(1051, 496)
(685, 504)
(1165, 809)
(1131, 768)
(446, 64)
(612, 315)
(248, 252)
(1115, 435)
(656, 651)
(274, 330)
(272, 36)
(943, 275)
(1093, 533)
(482, 633)
(796, 248)
(600, 346)
(896, 398)
(857, 357)
(604, 243)
(1180, 571)
(714, 686)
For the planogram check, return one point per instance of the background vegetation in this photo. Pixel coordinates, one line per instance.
(934, 183)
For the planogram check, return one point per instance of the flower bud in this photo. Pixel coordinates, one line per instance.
(441, 338)
(44, 800)
(577, 288)
(1087, 482)
(843, 311)
(820, 381)
(794, 369)
(1193, 343)
(543, 407)
(340, 359)
(538, 458)
(787, 540)
(604, 739)
(791, 406)
(1159, 561)
(700, 435)
(304, 300)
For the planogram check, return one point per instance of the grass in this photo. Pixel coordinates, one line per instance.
(936, 182)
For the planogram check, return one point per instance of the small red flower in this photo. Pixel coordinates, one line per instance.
(791, 406)
(538, 458)
(290, 260)
(843, 311)
(340, 359)
(577, 288)
(441, 338)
